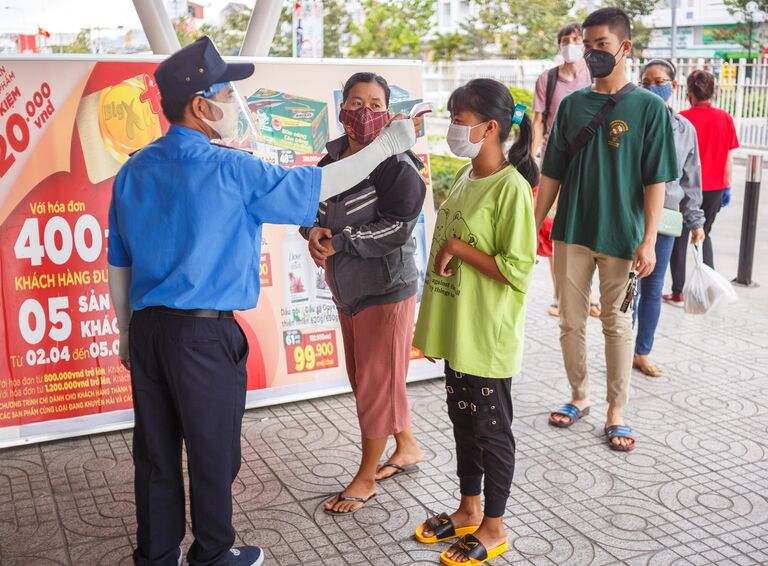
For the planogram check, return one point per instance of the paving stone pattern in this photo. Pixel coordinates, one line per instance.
(694, 492)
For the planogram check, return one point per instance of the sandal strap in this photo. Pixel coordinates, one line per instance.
(619, 431)
(398, 469)
(471, 547)
(442, 526)
(342, 497)
(569, 410)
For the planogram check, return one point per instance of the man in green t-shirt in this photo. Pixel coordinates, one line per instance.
(609, 207)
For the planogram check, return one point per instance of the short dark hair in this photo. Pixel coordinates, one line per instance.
(615, 18)
(568, 30)
(668, 66)
(701, 84)
(358, 78)
(174, 109)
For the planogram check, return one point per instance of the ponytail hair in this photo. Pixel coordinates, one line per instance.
(491, 100)
(520, 153)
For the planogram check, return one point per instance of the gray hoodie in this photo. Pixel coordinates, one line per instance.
(684, 193)
(372, 225)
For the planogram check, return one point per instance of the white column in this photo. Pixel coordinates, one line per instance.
(157, 25)
(261, 28)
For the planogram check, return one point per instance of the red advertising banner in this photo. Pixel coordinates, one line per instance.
(66, 128)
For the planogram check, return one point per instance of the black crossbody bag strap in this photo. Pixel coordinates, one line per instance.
(585, 135)
(550, 94)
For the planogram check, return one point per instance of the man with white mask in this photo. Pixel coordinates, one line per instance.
(184, 245)
(551, 87)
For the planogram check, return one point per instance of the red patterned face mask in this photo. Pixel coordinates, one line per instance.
(363, 124)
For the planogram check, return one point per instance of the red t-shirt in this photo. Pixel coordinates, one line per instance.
(717, 136)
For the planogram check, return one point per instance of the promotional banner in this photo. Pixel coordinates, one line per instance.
(66, 128)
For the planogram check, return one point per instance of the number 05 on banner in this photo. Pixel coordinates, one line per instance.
(310, 351)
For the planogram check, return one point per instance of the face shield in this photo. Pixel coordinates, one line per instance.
(233, 123)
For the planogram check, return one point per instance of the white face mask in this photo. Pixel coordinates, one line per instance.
(572, 53)
(458, 140)
(226, 126)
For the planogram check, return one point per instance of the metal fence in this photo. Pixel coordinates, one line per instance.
(742, 87)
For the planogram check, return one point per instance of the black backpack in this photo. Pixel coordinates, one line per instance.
(551, 84)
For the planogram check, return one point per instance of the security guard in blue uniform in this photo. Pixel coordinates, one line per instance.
(184, 252)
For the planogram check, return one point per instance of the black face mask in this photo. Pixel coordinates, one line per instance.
(600, 63)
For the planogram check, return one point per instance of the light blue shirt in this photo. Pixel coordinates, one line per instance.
(187, 215)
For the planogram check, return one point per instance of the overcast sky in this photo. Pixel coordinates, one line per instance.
(68, 16)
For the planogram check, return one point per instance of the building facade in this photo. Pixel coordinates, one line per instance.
(705, 29)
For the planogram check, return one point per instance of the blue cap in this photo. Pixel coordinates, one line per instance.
(195, 68)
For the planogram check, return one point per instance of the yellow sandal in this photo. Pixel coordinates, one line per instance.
(473, 549)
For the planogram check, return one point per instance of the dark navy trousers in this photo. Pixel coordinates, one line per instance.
(189, 380)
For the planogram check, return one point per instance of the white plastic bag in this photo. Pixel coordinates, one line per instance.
(705, 289)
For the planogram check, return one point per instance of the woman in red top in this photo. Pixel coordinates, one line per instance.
(716, 134)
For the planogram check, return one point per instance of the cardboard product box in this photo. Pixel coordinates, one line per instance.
(292, 122)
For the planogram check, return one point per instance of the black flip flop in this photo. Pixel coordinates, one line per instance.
(409, 469)
(342, 497)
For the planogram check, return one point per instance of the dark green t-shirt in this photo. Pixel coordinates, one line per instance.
(601, 194)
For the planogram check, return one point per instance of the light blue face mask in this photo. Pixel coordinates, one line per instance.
(664, 91)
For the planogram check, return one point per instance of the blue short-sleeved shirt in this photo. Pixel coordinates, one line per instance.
(186, 216)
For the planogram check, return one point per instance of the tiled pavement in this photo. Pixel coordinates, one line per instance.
(694, 492)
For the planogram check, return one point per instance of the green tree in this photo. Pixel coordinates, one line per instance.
(751, 13)
(282, 44)
(636, 9)
(515, 28)
(446, 46)
(81, 44)
(523, 96)
(336, 27)
(184, 30)
(393, 29)
(228, 37)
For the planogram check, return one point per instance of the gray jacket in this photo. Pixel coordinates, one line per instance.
(372, 225)
(684, 193)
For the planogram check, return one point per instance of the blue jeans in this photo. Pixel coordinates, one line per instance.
(649, 305)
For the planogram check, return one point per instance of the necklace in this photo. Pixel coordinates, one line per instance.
(499, 168)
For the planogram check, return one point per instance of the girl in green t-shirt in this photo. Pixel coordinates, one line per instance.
(473, 309)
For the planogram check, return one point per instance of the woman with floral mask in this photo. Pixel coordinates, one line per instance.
(683, 194)
(473, 309)
(362, 238)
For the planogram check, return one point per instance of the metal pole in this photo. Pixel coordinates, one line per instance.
(749, 221)
(157, 25)
(673, 33)
(261, 28)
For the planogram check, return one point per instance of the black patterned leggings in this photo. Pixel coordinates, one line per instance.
(480, 409)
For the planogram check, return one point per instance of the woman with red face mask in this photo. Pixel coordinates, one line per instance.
(363, 240)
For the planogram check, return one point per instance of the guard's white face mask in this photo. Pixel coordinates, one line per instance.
(572, 53)
(226, 126)
(459, 143)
